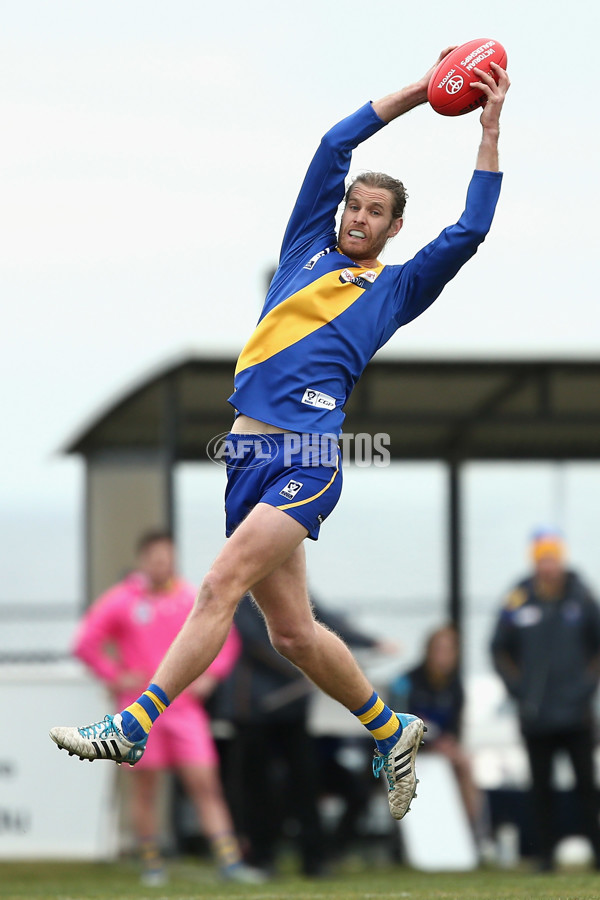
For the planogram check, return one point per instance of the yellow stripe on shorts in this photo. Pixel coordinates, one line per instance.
(314, 496)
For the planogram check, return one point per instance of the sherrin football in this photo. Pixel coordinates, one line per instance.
(450, 92)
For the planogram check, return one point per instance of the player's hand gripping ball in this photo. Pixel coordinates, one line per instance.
(450, 92)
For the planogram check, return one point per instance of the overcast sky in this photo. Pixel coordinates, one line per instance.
(151, 152)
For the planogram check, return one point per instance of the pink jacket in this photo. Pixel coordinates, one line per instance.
(129, 629)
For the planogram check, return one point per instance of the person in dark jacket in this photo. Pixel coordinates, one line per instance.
(274, 755)
(433, 690)
(546, 649)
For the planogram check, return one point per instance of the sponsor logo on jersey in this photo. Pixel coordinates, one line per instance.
(363, 281)
(291, 489)
(318, 399)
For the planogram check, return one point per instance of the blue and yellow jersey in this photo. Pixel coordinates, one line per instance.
(325, 316)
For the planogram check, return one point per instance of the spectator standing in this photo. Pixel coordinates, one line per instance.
(121, 639)
(546, 649)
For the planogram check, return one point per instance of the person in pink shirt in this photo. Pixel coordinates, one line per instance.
(122, 638)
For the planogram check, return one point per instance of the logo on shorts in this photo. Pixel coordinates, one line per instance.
(291, 489)
(318, 399)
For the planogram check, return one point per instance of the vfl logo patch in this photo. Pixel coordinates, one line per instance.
(291, 489)
(314, 260)
(318, 399)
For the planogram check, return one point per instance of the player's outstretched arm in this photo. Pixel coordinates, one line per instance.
(487, 157)
(406, 98)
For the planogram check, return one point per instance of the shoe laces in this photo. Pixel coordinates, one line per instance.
(101, 729)
(382, 763)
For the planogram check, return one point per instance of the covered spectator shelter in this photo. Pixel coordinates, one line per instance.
(448, 410)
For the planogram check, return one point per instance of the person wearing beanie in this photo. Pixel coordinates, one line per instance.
(546, 649)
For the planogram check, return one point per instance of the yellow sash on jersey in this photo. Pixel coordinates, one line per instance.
(300, 315)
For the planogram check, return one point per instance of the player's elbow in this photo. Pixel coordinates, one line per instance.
(477, 226)
(472, 231)
(328, 141)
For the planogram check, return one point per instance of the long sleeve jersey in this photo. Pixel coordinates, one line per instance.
(325, 316)
(129, 629)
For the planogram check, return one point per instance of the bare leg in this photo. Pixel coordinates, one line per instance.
(263, 541)
(143, 804)
(471, 795)
(320, 654)
(203, 786)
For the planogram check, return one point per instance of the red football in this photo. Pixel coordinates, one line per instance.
(450, 92)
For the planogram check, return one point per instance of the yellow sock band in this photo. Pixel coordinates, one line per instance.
(146, 709)
(156, 700)
(226, 850)
(372, 713)
(380, 720)
(140, 715)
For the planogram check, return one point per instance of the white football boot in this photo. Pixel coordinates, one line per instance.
(399, 765)
(103, 740)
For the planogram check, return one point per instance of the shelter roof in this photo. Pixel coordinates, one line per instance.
(432, 409)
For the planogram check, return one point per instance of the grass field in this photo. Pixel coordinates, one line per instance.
(70, 881)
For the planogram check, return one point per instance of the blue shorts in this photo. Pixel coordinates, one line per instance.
(300, 474)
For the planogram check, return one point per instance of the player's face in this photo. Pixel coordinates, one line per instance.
(367, 224)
